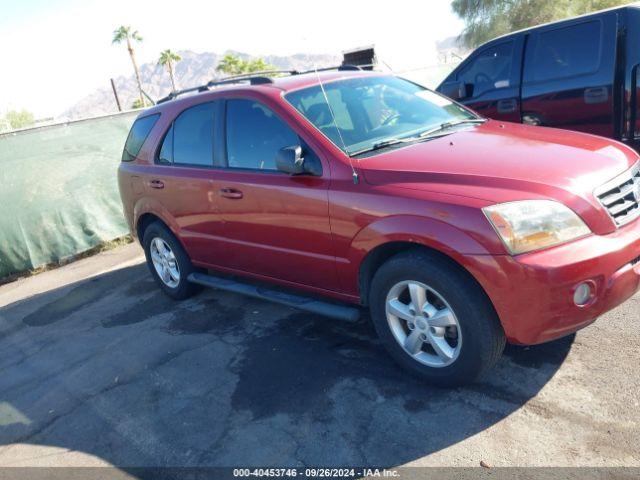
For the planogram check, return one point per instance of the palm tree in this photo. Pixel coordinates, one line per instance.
(127, 34)
(234, 65)
(168, 59)
(231, 65)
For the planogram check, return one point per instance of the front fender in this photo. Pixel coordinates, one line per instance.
(461, 245)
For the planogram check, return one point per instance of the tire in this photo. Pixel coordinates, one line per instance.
(156, 238)
(457, 336)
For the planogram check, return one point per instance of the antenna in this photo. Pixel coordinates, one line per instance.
(335, 124)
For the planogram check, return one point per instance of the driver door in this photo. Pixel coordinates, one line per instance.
(275, 225)
(492, 76)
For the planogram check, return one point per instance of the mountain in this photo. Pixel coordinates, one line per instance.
(194, 69)
(451, 50)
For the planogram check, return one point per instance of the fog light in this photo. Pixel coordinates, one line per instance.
(583, 294)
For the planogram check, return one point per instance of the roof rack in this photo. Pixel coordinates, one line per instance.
(254, 78)
(340, 68)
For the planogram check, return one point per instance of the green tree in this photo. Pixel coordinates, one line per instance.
(487, 19)
(168, 59)
(230, 64)
(128, 36)
(234, 65)
(258, 65)
(137, 104)
(19, 119)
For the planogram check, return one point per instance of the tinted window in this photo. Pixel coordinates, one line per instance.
(565, 52)
(489, 70)
(138, 134)
(254, 135)
(166, 152)
(189, 141)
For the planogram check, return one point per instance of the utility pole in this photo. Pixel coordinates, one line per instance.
(115, 94)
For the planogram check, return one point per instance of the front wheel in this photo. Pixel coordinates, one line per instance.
(434, 319)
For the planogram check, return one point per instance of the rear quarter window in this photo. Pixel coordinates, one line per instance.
(137, 135)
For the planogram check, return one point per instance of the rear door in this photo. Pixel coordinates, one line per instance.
(181, 180)
(491, 77)
(568, 75)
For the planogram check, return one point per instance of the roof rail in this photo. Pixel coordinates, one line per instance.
(261, 73)
(254, 78)
(340, 68)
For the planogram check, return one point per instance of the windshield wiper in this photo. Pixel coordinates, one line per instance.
(384, 144)
(426, 134)
(447, 125)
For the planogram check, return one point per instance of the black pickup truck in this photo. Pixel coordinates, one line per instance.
(578, 74)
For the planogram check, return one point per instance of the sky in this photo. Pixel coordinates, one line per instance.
(57, 51)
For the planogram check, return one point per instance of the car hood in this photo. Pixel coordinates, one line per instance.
(501, 162)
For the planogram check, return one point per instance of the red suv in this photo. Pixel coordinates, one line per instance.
(363, 189)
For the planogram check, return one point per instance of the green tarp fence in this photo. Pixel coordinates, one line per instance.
(58, 190)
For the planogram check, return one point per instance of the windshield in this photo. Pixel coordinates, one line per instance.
(375, 111)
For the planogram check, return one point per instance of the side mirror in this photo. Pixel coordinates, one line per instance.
(465, 90)
(289, 160)
(458, 90)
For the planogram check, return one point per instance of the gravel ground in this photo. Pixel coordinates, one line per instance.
(98, 367)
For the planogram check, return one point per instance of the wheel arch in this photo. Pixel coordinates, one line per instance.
(146, 211)
(379, 255)
(395, 235)
(144, 221)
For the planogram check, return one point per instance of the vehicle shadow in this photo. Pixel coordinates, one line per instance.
(112, 368)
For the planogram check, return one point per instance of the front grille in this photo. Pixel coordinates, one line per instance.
(621, 196)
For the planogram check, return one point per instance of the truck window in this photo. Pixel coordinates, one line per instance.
(564, 52)
(489, 70)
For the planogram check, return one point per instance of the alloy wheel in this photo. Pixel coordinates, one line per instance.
(165, 263)
(423, 324)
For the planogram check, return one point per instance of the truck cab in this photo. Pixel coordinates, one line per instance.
(577, 74)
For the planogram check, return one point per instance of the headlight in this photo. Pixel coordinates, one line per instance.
(534, 224)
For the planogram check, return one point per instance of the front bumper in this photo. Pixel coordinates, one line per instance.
(533, 293)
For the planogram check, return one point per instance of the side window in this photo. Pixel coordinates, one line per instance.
(564, 52)
(490, 69)
(138, 134)
(189, 140)
(166, 151)
(254, 135)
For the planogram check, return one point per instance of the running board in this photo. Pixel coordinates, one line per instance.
(300, 302)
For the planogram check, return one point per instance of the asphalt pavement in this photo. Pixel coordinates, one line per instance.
(98, 367)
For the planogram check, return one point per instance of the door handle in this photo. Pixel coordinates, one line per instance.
(596, 95)
(507, 105)
(156, 184)
(230, 193)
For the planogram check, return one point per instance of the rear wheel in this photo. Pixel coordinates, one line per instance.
(434, 319)
(168, 262)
